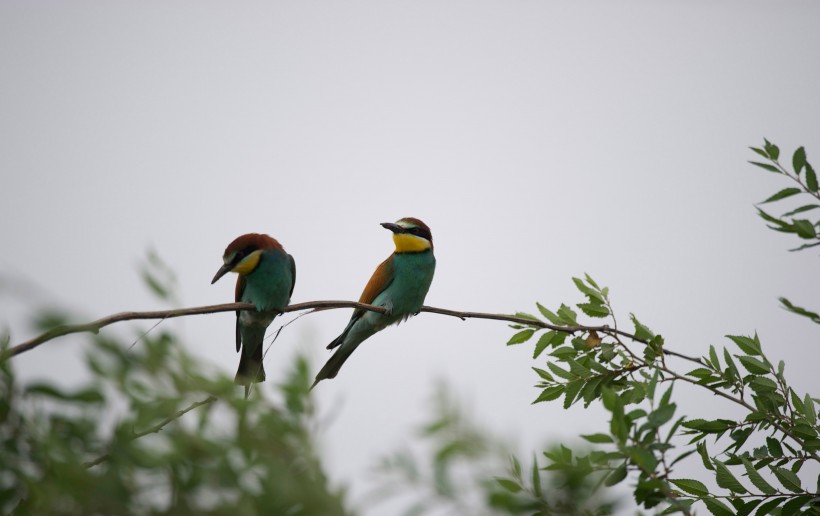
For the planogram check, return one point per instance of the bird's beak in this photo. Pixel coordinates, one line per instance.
(395, 228)
(222, 271)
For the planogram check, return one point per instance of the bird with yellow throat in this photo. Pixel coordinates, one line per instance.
(266, 275)
(399, 285)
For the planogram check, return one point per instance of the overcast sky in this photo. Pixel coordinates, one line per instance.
(538, 139)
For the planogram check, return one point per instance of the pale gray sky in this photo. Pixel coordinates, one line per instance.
(538, 139)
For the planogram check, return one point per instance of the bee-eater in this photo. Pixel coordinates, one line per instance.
(266, 278)
(399, 284)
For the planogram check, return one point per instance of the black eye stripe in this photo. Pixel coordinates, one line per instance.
(420, 232)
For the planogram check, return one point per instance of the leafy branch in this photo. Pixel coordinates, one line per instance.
(602, 367)
(805, 177)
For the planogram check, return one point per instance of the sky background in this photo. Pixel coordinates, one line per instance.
(538, 139)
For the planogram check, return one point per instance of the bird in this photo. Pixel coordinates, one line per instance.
(399, 284)
(267, 275)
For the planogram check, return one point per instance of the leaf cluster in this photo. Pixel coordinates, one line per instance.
(154, 430)
(804, 176)
(646, 437)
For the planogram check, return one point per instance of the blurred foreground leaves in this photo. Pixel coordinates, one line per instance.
(155, 431)
(458, 467)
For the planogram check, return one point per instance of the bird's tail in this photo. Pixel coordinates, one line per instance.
(331, 368)
(250, 369)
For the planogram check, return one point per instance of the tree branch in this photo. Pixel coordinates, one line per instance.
(156, 428)
(96, 326)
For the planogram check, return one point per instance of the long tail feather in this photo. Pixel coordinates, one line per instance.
(250, 370)
(331, 368)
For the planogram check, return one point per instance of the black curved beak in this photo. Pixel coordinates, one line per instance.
(395, 228)
(222, 271)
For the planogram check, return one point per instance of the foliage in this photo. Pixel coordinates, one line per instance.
(462, 474)
(760, 470)
(643, 437)
(124, 442)
(803, 175)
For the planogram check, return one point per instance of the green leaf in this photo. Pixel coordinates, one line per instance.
(788, 478)
(796, 504)
(704, 455)
(510, 485)
(767, 507)
(811, 444)
(543, 374)
(564, 352)
(660, 416)
(516, 466)
(756, 478)
(772, 149)
(717, 507)
(804, 228)
(762, 384)
(578, 369)
(536, 477)
(521, 336)
(800, 311)
(693, 487)
(783, 194)
(592, 294)
(726, 480)
(616, 475)
(748, 345)
(594, 309)
(591, 281)
(747, 507)
(641, 331)
(567, 315)
(760, 152)
(799, 160)
(753, 365)
(644, 459)
(566, 375)
(544, 341)
(766, 166)
(710, 427)
(809, 410)
(572, 390)
(811, 178)
(598, 438)
(89, 395)
(713, 358)
(773, 445)
(550, 393)
(618, 426)
(801, 209)
(551, 317)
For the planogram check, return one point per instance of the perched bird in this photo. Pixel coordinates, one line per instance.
(399, 284)
(266, 278)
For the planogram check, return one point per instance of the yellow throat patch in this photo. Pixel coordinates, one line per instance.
(248, 264)
(406, 243)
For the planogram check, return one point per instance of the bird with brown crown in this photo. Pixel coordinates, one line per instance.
(266, 278)
(399, 284)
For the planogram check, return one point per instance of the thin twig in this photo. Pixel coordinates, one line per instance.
(95, 326)
(156, 428)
